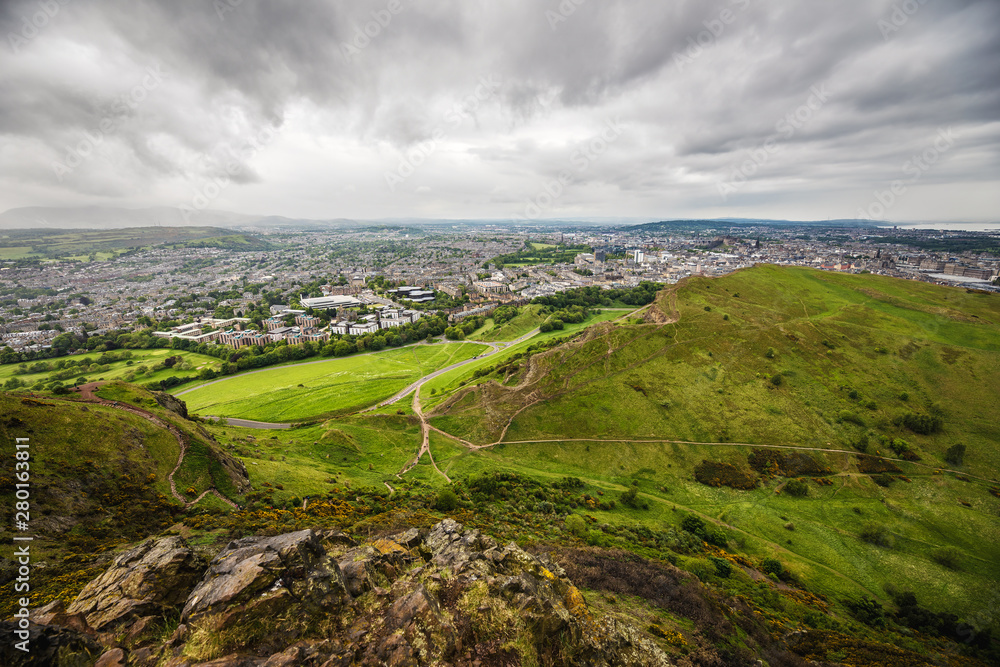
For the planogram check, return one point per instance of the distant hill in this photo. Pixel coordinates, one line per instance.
(697, 223)
(80, 243)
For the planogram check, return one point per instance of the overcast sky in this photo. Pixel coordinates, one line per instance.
(511, 109)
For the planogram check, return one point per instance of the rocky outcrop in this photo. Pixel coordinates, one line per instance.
(313, 598)
(267, 575)
(147, 580)
(172, 403)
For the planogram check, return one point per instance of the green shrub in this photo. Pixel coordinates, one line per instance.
(868, 611)
(447, 500)
(569, 483)
(948, 557)
(772, 566)
(630, 498)
(883, 479)
(878, 535)
(955, 455)
(899, 445)
(722, 567)
(576, 524)
(797, 488)
(923, 423)
(852, 417)
(693, 525)
(777, 380)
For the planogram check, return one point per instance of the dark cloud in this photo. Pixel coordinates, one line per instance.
(259, 95)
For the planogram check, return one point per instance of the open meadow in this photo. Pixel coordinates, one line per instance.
(318, 389)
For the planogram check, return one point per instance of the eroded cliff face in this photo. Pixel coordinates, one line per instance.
(317, 598)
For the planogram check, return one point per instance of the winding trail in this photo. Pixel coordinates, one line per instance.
(425, 426)
(88, 395)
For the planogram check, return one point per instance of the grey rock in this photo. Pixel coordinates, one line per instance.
(255, 568)
(145, 580)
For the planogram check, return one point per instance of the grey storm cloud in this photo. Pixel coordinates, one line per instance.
(378, 108)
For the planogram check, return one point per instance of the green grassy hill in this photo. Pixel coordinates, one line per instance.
(778, 357)
(99, 478)
(786, 437)
(855, 356)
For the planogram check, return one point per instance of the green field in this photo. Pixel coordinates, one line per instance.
(317, 389)
(120, 369)
(529, 318)
(16, 252)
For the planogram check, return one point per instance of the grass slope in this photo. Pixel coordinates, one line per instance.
(446, 383)
(854, 354)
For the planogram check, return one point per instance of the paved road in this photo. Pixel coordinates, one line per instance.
(494, 348)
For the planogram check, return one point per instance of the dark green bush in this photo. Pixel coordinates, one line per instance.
(955, 455)
(723, 568)
(797, 488)
(772, 566)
